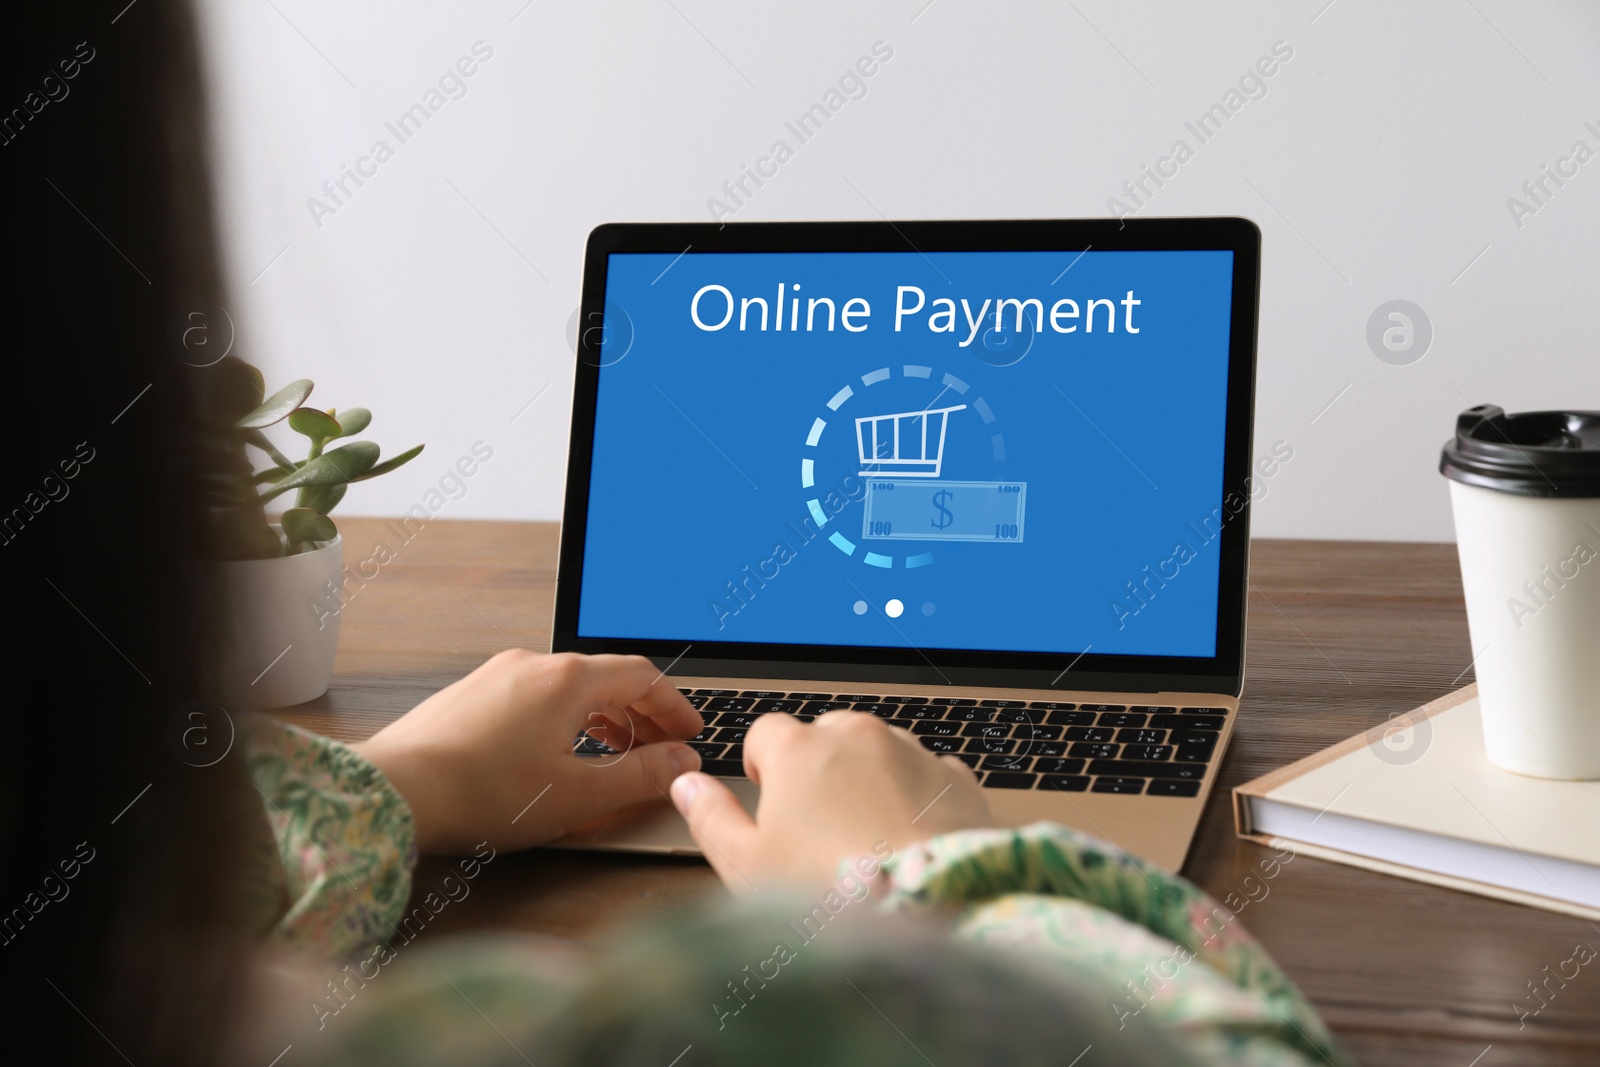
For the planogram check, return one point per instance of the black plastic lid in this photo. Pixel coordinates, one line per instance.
(1537, 453)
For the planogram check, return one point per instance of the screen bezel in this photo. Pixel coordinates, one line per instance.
(1221, 673)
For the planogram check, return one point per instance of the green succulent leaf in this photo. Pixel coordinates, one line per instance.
(323, 498)
(233, 490)
(259, 439)
(317, 425)
(390, 464)
(277, 407)
(304, 525)
(342, 464)
(224, 489)
(241, 534)
(229, 390)
(225, 461)
(352, 421)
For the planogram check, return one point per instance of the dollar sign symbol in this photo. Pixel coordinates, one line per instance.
(945, 516)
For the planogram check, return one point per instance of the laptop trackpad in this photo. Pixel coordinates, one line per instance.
(654, 826)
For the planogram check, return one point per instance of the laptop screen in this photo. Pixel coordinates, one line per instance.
(1017, 451)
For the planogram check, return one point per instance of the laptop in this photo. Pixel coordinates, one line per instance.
(989, 481)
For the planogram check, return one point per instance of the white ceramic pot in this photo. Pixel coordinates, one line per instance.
(282, 635)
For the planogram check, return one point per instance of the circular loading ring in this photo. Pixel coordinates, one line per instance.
(843, 396)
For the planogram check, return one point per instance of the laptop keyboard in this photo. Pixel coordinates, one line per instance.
(1009, 744)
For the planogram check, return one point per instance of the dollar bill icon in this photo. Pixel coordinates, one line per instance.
(903, 509)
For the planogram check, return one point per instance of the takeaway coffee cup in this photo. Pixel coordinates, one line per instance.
(1525, 490)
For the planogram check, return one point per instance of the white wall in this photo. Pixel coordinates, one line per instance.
(1378, 164)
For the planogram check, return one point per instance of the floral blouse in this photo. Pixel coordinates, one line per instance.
(1150, 948)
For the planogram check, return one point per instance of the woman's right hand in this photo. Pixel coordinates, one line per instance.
(841, 788)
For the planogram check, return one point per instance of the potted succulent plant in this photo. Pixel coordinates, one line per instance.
(276, 576)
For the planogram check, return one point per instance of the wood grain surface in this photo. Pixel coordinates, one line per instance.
(1342, 635)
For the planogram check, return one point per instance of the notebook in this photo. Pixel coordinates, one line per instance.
(1418, 798)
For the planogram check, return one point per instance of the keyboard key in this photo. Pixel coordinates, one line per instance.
(1051, 705)
(804, 716)
(971, 759)
(1102, 707)
(697, 702)
(954, 701)
(588, 746)
(1120, 718)
(1147, 752)
(1009, 780)
(1059, 766)
(904, 724)
(1153, 709)
(1019, 715)
(707, 749)
(737, 718)
(1119, 785)
(1064, 783)
(986, 729)
(970, 715)
(1006, 763)
(763, 693)
(1029, 732)
(1171, 787)
(722, 768)
(734, 753)
(936, 728)
(1043, 748)
(810, 696)
(990, 746)
(730, 704)
(817, 707)
(863, 698)
(716, 692)
(1204, 711)
(882, 711)
(731, 735)
(1091, 733)
(941, 745)
(1002, 703)
(1141, 737)
(920, 711)
(1193, 737)
(1194, 753)
(787, 706)
(1071, 718)
(704, 735)
(684, 691)
(1127, 768)
(1086, 750)
(1186, 722)
(905, 700)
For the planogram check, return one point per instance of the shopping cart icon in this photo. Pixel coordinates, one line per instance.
(897, 444)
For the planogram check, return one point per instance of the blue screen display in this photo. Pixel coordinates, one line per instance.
(1008, 451)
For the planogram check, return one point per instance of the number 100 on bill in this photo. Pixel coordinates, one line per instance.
(921, 509)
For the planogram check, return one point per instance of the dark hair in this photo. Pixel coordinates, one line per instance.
(113, 850)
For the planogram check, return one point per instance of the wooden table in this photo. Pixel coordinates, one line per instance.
(1341, 636)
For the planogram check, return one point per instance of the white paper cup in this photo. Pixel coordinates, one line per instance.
(1525, 491)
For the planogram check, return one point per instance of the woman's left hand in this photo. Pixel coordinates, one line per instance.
(491, 756)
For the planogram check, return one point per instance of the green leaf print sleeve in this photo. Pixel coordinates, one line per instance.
(344, 839)
(1163, 952)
